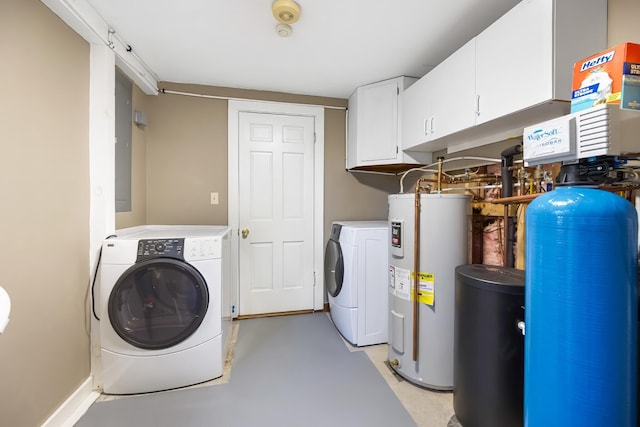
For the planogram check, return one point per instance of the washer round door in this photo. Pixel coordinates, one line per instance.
(158, 303)
(333, 268)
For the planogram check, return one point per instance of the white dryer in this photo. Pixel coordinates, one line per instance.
(356, 278)
(162, 298)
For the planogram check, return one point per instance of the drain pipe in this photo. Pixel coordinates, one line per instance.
(507, 191)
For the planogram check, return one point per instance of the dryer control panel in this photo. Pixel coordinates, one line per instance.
(335, 232)
(154, 248)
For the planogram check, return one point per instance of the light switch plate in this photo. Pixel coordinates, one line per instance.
(214, 198)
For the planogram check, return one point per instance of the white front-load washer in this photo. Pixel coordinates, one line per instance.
(162, 303)
(356, 277)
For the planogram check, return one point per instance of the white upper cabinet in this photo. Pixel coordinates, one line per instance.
(514, 61)
(374, 128)
(443, 101)
(515, 73)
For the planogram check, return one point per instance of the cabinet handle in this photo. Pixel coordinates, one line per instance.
(431, 124)
(425, 126)
(477, 105)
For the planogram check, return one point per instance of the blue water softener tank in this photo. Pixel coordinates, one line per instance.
(581, 310)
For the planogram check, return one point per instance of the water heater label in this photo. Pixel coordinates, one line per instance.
(426, 288)
(400, 282)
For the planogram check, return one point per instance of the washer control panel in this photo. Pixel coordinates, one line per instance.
(154, 248)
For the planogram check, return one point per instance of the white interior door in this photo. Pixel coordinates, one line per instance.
(276, 199)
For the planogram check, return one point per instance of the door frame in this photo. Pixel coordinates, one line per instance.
(235, 107)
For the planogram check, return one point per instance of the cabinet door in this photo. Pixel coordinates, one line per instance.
(378, 123)
(415, 114)
(452, 91)
(514, 60)
(443, 101)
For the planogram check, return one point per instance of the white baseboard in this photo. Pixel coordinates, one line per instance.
(74, 407)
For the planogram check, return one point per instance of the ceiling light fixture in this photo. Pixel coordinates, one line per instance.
(286, 11)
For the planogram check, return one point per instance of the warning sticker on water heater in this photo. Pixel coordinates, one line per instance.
(426, 288)
(400, 285)
(400, 282)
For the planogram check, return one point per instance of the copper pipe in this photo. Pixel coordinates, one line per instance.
(416, 264)
(429, 179)
(614, 188)
(492, 178)
(630, 196)
(514, 199)
(416, 268)
(473, 176)
(520, 237)
(529, 197)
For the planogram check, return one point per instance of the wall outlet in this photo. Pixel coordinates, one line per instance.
(214, 198)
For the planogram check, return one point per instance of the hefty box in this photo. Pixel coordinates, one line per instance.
(608, 77)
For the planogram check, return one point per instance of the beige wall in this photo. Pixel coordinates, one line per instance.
(44, 220)
(350, 196)
(187, 159)
(624, 25)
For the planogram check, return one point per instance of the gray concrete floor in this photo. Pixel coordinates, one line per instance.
(427, 408)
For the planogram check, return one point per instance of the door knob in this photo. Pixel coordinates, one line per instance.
(245, 233)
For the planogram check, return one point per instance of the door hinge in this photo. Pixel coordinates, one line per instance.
(397, 150)
(314, 279)
(314, 137)
(397, 90)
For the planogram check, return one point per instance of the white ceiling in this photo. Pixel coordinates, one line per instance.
(336, 46)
